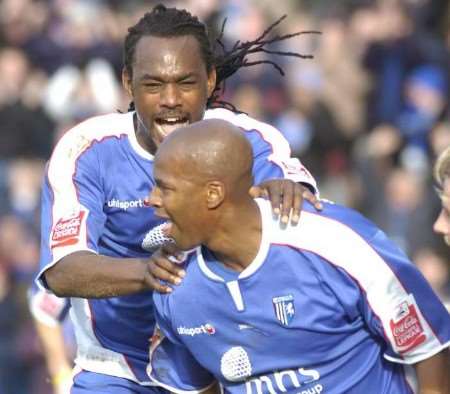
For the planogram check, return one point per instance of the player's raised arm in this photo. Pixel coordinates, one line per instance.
(88, 275)
(73, 219)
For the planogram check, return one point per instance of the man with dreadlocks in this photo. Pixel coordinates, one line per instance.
(94, 212)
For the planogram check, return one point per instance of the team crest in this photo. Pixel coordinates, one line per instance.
(284, 309)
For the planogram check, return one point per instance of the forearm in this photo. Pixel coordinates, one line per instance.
(86, 275)
(433, 374)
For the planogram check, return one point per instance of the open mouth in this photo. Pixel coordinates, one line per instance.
(167, 125)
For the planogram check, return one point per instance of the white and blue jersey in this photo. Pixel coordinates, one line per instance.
(329, 306)
(93, 199)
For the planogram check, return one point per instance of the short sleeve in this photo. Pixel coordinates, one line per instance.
(410, 316)
(72, 216)
(389, 293)
(272, 159)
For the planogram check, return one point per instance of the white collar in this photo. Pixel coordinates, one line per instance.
(265, 210)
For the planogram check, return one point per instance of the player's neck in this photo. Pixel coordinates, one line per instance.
(142, 136)
(238, 240)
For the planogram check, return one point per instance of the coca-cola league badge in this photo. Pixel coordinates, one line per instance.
(406, 327)
(67, 230)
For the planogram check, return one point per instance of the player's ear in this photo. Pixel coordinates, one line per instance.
(212, 78)
(126, 81)
(215, 194)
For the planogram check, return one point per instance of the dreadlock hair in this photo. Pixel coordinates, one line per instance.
(173, 22)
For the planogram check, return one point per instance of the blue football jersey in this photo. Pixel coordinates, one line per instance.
(93, 199)
(328, 306)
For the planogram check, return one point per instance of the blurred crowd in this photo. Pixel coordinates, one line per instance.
(367, 116)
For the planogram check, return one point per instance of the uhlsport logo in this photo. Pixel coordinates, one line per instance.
(192, 331)
(126, 204)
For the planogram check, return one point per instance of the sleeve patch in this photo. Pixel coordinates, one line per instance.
(406, 327)
(67, 230)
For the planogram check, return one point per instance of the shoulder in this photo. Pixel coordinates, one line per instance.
(341, 237)
(96, 129)
(265, 131)
(337, 232)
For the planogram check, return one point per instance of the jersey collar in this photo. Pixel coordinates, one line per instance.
(265, 210)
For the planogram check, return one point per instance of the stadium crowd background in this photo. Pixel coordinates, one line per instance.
(367, 116)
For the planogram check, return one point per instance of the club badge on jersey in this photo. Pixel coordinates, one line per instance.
(284, 309)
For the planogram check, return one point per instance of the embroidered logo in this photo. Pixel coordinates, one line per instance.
(406, 327)
(284, 309)
(192, 331)
(124, 205)
(66, 230)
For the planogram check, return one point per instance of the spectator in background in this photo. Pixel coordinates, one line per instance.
(401, 209)
(425, 101)
(394, 49)
(26, 129)
(76, 93)
(436, 271)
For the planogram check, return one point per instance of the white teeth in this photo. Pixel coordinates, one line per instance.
(172, 120)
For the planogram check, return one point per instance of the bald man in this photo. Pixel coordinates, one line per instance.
(329, 306)
(220, 166)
